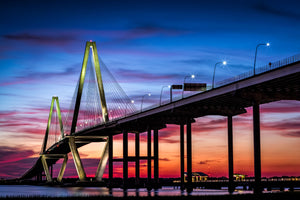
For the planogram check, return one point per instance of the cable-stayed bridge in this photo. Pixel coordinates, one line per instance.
(100, 109)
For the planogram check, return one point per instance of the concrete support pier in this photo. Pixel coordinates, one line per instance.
(231, 186)
(149, 158)
(156, 165)
(137, 159)
(182, 156)
(125, 159)
(77, 160)
(189, 155)
(49, 174)
(110, 158)
(257, 154)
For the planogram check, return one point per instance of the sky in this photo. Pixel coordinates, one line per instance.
(146, 45)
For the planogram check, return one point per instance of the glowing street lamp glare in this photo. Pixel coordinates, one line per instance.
(224, 63)
(132, 101)
(149, 94)
(193, 76)
(261, 44)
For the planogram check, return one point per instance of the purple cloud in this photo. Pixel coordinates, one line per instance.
(15, 169)
(41, 39)
(286, 128)
(292, 134)
(204, 162)
(138, 75)
(13, 154)
(36, 76)
(164, 159)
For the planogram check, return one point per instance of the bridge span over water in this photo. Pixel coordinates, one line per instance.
(279, 81)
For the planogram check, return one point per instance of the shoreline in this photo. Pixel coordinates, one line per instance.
(273, 196)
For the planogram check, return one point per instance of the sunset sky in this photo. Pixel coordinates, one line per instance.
(146, 45)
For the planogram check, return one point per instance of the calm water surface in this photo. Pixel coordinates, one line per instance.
(28, 190)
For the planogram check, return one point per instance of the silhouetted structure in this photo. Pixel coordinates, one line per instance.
(280, 81)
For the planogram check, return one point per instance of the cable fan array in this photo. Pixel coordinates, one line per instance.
(54, 134)
(90, 111)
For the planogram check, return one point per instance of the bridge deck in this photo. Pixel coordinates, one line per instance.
(279, 84)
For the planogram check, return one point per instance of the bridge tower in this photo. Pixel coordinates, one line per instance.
(90, 47)
(73, 139)
(43, 155)
(54, 99)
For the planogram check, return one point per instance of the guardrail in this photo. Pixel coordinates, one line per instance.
(260, 70)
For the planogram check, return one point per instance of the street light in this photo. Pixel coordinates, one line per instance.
(169, 86)
(213, 81)
(149, 94)
(132, 102)
(262, 44)
(192, 76)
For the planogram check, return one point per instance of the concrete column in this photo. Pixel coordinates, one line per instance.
(77, 160)
(103, 162)
(125, 158)
(149, 156)
(110, 158)
(62, 169)
(182, 156)
(46, 168)
(49, 173)
(156, 166)
(137, 158)
(257, 154)
(230, 155)
(189, 155)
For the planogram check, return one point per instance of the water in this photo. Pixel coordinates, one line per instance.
(50, 191)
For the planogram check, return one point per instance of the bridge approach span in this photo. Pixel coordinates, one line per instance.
(282, 83)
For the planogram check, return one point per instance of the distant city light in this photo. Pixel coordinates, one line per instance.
(193, 76)
(224, 63)
(268, 44)
(132, 101)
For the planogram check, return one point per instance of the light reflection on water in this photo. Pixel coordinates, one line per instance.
(28, 190)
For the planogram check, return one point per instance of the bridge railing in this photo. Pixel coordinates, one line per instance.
(260, 70)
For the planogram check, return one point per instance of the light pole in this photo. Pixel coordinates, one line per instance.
(192, 76)
(169, 86)
(213, 81)
(262, 44)
(149, 94)
(132, 101)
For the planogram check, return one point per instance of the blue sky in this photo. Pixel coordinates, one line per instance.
(145, 44)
